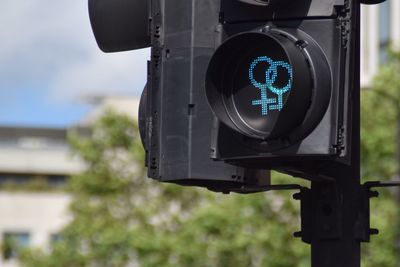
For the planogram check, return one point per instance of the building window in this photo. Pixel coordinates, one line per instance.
(13, 242)
(32, 182)
(54, 238)
(57, 181)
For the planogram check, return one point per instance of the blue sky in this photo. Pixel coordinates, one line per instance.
(49, 61)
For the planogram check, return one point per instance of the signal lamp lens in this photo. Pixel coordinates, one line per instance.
(260, 84)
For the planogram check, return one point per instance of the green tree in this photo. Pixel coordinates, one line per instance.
(380, 135)
(380, 122)
(121, 217)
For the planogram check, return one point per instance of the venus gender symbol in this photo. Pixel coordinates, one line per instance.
(271, 75)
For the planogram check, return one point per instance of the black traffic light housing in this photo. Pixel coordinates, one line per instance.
(178, 117)
(289, 114)
(174, 117)
(237, 86)
(120, 25)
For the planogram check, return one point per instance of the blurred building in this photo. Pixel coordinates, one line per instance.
(122, 104)
(35, 164)
(380, 25)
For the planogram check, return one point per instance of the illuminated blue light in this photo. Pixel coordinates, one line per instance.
(271, 74)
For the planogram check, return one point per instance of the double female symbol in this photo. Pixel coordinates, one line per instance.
(271, 75)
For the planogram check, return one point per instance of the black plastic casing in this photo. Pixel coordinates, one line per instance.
(185, 142)
(327, 141)
(120, 25)
(178, 117)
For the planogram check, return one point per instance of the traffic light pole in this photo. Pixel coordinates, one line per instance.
(346, 192)
(335, 217)
(335, 239)
(338, 217)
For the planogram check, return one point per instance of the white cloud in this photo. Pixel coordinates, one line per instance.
(49, 44)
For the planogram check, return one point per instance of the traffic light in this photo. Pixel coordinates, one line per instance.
(120, 25)
(174, 116)
(279, 83)
(236, 87)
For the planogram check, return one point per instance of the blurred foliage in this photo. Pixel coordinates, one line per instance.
(121, 218)
(380, 135)
(380, 114)
(8, 248)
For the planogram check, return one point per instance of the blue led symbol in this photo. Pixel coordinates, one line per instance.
(271, 75)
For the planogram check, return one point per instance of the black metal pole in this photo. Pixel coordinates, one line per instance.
(335, 243)
(335, 205)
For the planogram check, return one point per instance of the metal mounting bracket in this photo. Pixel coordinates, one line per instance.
(363, 229)
(257, 189)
